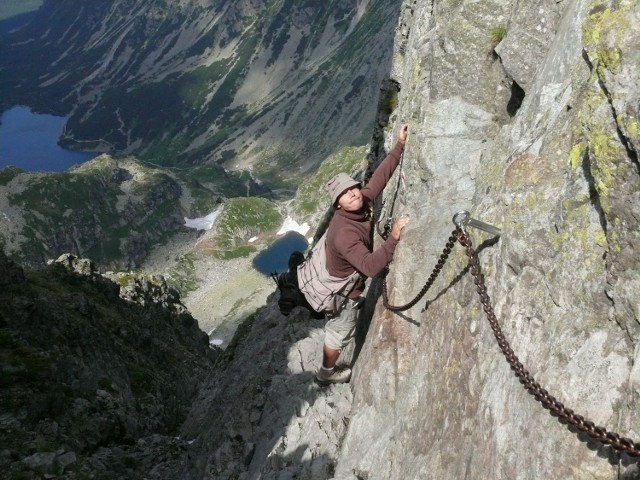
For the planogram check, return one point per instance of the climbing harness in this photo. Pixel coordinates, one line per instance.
(384, 231)
(549, 402)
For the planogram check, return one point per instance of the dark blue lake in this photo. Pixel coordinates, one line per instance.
(29, 141)
(276, 257)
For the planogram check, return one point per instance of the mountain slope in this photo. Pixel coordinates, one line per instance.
(97, 373)
(525, 114)
(276, 84)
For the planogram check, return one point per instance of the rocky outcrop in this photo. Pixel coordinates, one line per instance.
(97, 374)
(263, 416)
(111, 211)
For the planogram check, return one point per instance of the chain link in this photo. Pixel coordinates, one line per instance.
(547, 400)
(436, 271)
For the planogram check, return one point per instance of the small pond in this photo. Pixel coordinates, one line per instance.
(276, 257)
(30, 141)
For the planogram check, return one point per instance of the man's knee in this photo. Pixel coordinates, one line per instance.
(340, 329)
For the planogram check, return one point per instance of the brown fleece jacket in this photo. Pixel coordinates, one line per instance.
(349, 239)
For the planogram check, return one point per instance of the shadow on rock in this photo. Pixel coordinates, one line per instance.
(261, 412)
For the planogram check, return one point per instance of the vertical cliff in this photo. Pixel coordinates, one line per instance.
(526, 115)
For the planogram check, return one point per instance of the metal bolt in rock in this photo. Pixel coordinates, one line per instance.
(463, 219)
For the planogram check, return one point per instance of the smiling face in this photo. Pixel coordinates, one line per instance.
(351, 199)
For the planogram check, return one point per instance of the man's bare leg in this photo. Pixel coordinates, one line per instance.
(330, 357)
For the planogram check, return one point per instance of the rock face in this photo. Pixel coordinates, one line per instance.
(434, 396)
(526, 115)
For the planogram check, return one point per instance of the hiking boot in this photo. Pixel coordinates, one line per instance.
(335, 375)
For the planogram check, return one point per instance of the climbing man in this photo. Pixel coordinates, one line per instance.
(349, 249)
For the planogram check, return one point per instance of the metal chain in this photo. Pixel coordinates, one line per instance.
(384, 231)
(547, 400)
(441, 261)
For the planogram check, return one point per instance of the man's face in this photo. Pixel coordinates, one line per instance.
(351, 199)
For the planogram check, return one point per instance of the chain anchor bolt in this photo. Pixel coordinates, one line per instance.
(463, 218)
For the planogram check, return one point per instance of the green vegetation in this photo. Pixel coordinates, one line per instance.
(275, 169)
(601, 32)
(109, 223)
(203, 202)
(124, 278)
(21, 474)
(239, 252)
(631, 126)
(55, 201)
(20, 363)
(52, 195)
(140, 378)
(388, 102)
(575, 156)
(195, 86)
(60, 280)
(606, 150)
(215, 179)
(360, 37)
(183, 275)
(242, 219)
(312, 192)
(496, 34)
(11, 8)
(9, 173)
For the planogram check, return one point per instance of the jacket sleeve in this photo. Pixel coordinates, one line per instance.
(383, 173)
(367, 263)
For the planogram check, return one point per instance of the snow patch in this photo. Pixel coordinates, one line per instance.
(290, 225)
(202, 223)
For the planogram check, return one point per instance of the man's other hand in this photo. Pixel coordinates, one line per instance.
(398, 226)
(404, 132)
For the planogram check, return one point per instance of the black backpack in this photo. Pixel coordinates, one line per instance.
(290, 294)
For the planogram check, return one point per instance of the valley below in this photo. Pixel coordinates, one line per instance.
(226, 292)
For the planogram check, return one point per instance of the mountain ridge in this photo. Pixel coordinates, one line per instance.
(240, 83)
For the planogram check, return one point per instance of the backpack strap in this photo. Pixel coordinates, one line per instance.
(323, 291)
